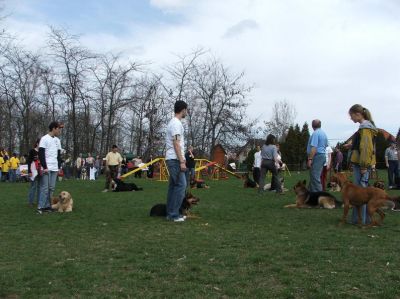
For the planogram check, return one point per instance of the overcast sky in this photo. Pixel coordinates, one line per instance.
(320, 55)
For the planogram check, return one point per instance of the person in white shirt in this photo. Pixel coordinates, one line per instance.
(50, 161)
(327, 167)
(257, 165)
(176, 163)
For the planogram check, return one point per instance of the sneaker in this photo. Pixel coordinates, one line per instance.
(48, 210)
(39, 211)
(105, 190)
(180, 219)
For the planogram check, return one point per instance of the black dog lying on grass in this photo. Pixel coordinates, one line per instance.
(119, 186)
(187, 203)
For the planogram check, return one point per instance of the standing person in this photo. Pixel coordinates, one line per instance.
(113, 165)
(362, 154)
(327, 166)
(14, 165)
(98, 164)
(338, 160)
(34, 173)
(79, 163)
(257, 165)
(175, 159)
(392, 164)
(316, 149)
(50, 160)
(5, 168)
(269, 155)
(190, 166)
(1, 164)
(137, 163)
(89, 163)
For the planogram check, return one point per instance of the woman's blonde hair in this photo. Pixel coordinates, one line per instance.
(357, 108)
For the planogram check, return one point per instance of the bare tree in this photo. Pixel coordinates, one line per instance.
(113, 92)
(72, 63)
(224, 96)
(283, 116)
(24, 74)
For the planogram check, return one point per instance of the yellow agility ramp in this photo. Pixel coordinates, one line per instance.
(163, 169)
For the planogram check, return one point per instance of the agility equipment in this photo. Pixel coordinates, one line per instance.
(202, 165)
(163, 175)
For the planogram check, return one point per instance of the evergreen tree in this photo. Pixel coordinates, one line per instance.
(305, 136)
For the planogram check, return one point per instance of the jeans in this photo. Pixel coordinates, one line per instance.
(176, 189)
(315, 172)
(47, 186)
(34, 190)
(13, 175)
(265, 166)
(393, 172)
(256, 174)
(362, 181)
(190, 176)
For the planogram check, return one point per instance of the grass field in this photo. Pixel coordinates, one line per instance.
(243, 246)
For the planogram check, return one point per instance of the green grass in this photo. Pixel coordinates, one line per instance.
(243, 246)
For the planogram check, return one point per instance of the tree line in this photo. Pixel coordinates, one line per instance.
(105, 99)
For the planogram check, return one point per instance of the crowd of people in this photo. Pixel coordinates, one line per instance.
(45, 164)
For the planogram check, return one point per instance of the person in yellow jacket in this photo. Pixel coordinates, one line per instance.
(14, 164)
(363, 152)
(5, 168)
(1, 165)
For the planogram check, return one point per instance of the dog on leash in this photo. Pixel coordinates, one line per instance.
(354, 195)
(62, 203)
(307, 199)
(118, 185)
(188, 202)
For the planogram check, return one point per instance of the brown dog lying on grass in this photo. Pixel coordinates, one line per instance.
(354, 195)
(307, 199)
(62, 203)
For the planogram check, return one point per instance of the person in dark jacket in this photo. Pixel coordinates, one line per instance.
(190, 165)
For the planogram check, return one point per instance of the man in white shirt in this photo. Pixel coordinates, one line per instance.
(176, 163)
(257, 165)
(50, 160)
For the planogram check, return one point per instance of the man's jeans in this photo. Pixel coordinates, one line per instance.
(393, 172)
(47, 186)
(362, 181)
(33, 190)
(13, 175)
(315, 172)
(176, 189)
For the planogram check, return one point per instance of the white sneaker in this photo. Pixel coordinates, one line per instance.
(105, 190)
(180, 219)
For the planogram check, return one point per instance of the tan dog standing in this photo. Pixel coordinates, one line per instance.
(357, 196)
(62, 203)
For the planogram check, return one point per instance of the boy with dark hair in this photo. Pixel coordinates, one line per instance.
(50, 161)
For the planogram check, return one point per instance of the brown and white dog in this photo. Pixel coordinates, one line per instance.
(62, 203)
